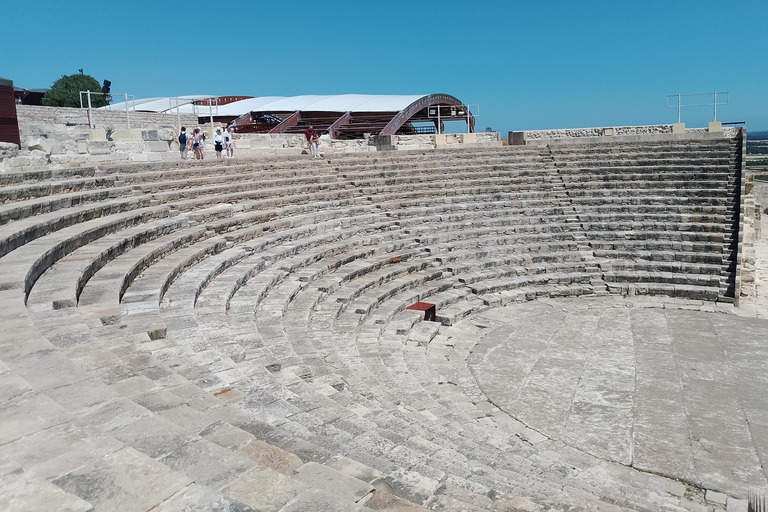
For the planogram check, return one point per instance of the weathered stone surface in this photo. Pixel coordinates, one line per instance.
(150, 135)
(8, 150)
(206, 462)
(21, 492)
(321, 476)
(124, 480)
(620, 389)
(264, 489)
(268, 456)
(200, 498)
(28, 414)
(99, 147)
(408, 485)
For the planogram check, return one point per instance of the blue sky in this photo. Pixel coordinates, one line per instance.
(529, 65)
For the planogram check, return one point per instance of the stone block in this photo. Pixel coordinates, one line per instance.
(136, 146)
(150, 135)
(97, 134)
(156, 145)
(28, 159)
(516, 138)
(166, 133)
(125, 134)
(68, 159)
(140, 157)
(8, 150)
(678, 128)
(469, 138)
(264, 490)
(439, 138)
(243, 144)
(608, 132)
(72, 119)
(715, 126)
(39, 144)
(98, 147)
(82, 147)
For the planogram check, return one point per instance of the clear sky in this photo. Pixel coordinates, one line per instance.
(529, 65)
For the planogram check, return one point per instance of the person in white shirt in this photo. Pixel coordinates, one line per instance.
(228, 142)
(218, 143)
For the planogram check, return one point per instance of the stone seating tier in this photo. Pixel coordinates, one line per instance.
(231, 330)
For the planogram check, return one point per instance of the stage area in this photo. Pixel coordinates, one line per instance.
(668, 391)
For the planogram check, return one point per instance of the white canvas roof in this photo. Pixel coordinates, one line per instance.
(159, 104)
(316, 103)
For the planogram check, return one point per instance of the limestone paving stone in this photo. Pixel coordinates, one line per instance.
(21, 492)
(199, 498)
(124, 479)
(28, 414)
(207, 463)
(264, 489)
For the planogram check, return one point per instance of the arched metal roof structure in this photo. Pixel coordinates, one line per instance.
(341, 116)
(347, 115)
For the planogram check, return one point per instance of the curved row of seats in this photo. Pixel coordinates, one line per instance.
(238, 332)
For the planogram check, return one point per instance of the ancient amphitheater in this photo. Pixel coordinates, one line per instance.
(234, 335)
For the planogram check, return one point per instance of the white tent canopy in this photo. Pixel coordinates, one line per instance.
(161, 105)
(314, 103)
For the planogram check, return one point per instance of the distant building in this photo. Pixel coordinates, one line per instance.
(29, 96)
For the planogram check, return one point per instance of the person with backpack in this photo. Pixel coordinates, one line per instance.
(183, 143)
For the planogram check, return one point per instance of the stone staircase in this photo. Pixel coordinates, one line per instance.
(219, 336)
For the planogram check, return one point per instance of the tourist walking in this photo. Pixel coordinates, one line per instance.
(218, 143)
(196, 143)
(228, 141)
(183, 143)
(312, 139)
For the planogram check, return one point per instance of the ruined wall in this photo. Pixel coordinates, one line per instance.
(107, 119)
(534, 136)
(60, 137)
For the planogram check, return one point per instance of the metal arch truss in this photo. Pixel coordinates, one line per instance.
(417, 106)
(353, 124)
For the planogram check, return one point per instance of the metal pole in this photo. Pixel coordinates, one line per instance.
(91, 124)
(81, 99)
(127, 115)
(178, 115)
(439, 126)
(678, 108)
(715, 119)
(210, 110)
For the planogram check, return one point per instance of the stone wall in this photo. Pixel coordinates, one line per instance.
(442, 141)
(110, 120)
(255, 144)
(61, 137)
(534, 136)
(761, 194)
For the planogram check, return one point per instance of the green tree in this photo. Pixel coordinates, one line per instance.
(65, 92)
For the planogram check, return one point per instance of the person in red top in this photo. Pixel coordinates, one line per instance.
(312, 138)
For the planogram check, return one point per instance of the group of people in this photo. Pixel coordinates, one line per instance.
(197, 142)
(223, 140)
